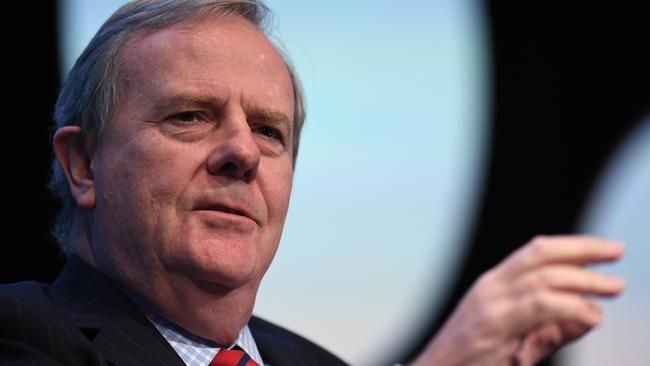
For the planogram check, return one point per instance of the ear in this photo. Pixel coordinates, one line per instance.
(75, 160)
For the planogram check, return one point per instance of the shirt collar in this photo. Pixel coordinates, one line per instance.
(192, 349)
(197, 351)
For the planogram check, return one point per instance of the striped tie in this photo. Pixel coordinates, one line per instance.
(232, 357)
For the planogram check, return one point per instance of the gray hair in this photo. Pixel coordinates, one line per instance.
(92, 87)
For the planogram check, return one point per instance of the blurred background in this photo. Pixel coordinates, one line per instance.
(440, 136)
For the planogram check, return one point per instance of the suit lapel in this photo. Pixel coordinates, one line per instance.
(274, 349)
(105, 315)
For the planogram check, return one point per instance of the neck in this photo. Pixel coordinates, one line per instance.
(207, 310)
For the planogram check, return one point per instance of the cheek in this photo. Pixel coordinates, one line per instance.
(277, 198)
(168, 178)
(278, 191)
(143, 181)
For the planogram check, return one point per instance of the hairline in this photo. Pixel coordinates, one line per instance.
(132, 40)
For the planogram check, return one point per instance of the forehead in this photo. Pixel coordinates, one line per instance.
(225, 55)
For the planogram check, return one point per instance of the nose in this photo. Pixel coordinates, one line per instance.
(236, 155)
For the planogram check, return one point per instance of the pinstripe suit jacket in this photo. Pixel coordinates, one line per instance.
(83, 318)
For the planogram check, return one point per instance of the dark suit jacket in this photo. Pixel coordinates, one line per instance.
(83, 318)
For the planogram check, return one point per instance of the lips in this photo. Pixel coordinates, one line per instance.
(227, 208)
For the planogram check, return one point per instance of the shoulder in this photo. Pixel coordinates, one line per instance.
(283, 347)
(23, 300)
(27, 289)
(33, 331)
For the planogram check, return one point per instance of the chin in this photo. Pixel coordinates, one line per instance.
(228, 278)
(218, 266)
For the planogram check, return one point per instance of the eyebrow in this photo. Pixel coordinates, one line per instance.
(269, 115)
(216, 104)
(204, 101)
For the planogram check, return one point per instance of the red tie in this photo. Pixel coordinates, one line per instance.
(232, 358)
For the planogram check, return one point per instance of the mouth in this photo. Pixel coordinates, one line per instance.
(231, 210)
(226, 209)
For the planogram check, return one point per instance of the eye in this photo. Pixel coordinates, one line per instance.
(188, 116)
(187, 125)
(268, 132)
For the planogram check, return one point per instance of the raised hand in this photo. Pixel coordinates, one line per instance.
(535, 301)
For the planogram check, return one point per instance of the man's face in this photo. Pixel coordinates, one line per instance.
(194, 175)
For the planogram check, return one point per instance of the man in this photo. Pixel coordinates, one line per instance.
(177, 133)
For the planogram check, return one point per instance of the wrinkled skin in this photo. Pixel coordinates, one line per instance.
(184, 202)
(535, 301)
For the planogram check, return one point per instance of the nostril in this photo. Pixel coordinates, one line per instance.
(229, 168)
(235, 171)
(248, 175)
(233, 160)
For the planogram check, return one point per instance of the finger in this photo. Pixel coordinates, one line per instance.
(568, 278)
(578, 250)
(538, 344)
(544, 307)
(546, 339)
